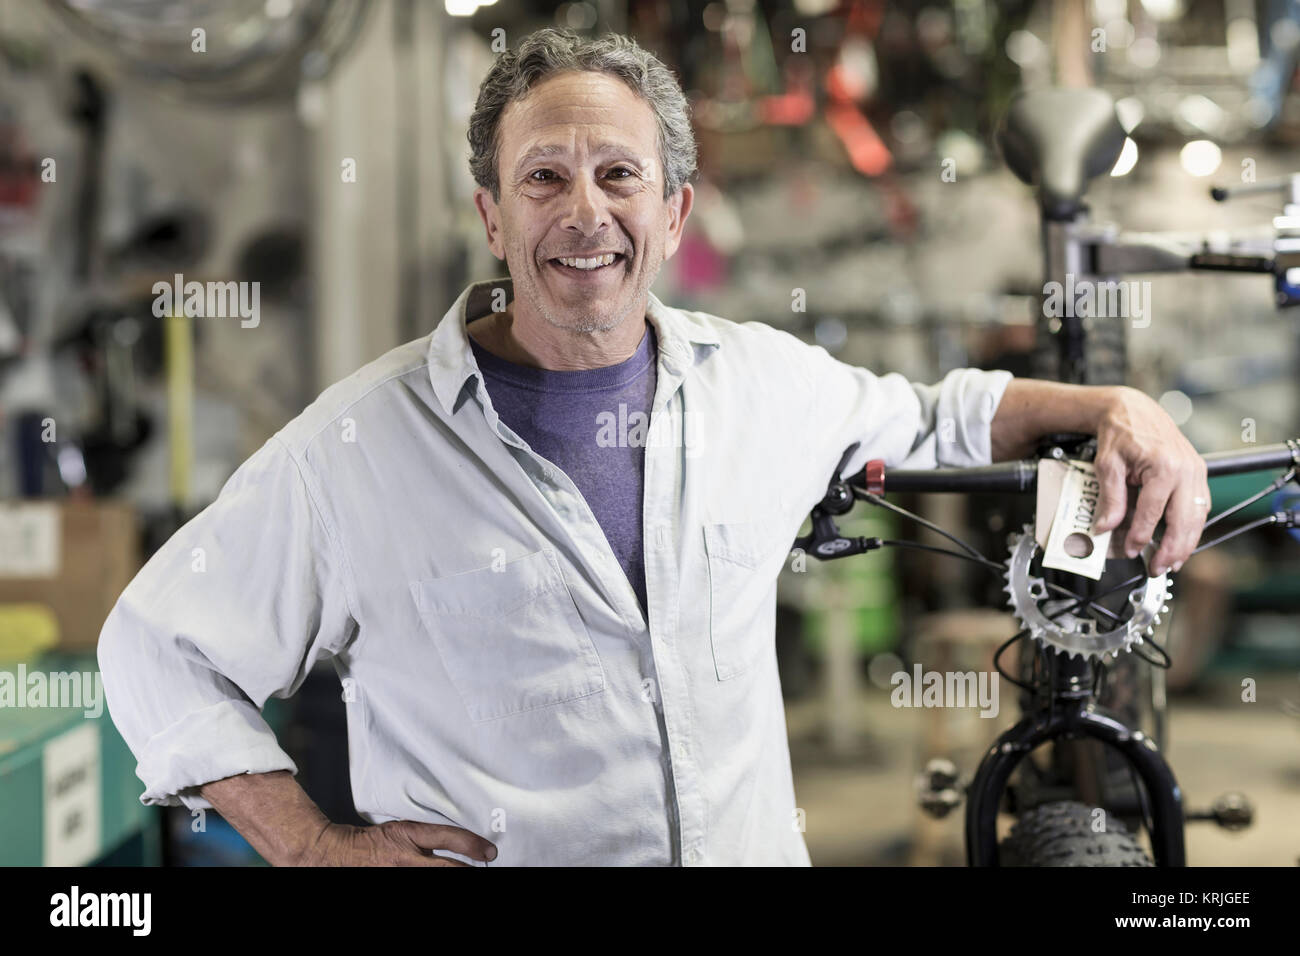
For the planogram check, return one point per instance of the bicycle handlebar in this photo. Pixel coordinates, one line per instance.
(1021, 477)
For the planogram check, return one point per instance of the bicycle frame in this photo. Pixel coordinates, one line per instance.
(1070, 715)
(1068, 712)
(1077, 253)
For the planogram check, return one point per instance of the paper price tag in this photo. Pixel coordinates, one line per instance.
(1071, 545)
(1051, 474)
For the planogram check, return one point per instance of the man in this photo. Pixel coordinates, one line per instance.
(541, 544)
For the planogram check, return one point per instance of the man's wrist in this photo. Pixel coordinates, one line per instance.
(271, 811)
(1100, 401)
(1031, 408)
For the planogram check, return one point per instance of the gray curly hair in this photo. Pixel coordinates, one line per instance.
(547, 52)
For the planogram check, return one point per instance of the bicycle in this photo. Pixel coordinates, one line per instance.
(1082, 628)
(1058, 141)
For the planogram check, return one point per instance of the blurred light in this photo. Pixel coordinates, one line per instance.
(815, 8)
(1119, 33)
(713, 16)
(72, 467)
(1284, 33)
(1258, 111)
(1201, 112)
(312, 104)
(907, 127)
(461, 8)
(1024, 49)
(1200, 157)
(1144, 53)
(858, 67)
(575, 16)
(1128, 157)
(882, 669)
(1243, 45)
(1131, 112)
(1103, 11)
(830, 333)
(1163, 9)
(966, 152)
(1177, 405)
(126, 331)
(279, 9)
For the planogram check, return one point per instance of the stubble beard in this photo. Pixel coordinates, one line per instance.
(585, 323)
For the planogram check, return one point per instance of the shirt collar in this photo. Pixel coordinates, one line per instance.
(452, 362)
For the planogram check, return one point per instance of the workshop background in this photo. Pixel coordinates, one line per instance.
(846, 149)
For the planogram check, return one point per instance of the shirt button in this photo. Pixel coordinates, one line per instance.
(692, 855)
(547, 474)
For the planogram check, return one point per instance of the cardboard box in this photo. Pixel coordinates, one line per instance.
(74, 556)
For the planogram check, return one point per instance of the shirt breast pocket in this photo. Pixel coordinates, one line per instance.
(510, 637)
(740, 578)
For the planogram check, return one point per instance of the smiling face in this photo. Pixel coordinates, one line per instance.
(582, 222)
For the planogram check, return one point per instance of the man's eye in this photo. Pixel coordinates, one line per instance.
(546, 175)
(621, 169)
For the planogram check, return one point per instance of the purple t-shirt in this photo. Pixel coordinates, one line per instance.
(592, 425)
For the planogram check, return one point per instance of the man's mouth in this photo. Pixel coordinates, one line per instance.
(587, 265)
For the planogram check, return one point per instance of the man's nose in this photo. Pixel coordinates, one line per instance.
(587, 211)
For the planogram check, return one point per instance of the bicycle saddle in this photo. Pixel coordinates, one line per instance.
(1057, 140)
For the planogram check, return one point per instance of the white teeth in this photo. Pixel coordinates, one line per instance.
(595, 263)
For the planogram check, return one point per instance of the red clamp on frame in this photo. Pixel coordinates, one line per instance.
(875, 476)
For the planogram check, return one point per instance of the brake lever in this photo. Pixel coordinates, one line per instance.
(825, 542)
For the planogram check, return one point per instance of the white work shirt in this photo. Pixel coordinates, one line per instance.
(498, 670)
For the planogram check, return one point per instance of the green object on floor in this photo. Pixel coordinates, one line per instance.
(870, 580)
(67, 780)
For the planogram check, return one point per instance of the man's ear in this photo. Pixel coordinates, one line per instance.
(491, 216)
(679, 207)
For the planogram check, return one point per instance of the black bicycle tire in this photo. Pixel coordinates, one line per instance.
(1062, 834)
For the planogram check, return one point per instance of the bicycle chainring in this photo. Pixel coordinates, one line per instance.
(1076, 634)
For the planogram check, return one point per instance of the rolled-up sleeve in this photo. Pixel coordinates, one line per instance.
(907, 424)
(234, 609)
